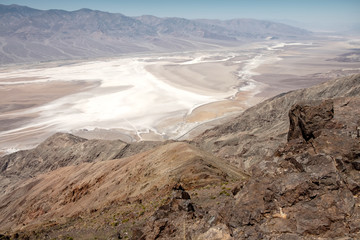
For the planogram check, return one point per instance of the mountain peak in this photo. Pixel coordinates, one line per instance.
(14, 8)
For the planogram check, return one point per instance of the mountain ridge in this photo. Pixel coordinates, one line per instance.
(42, 35)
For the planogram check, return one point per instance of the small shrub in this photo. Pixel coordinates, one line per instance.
(224, 192)
(115, 223)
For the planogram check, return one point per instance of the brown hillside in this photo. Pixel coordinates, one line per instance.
(74, 190)
(60, 150)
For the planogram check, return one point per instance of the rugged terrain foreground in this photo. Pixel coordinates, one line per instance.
(287, 168)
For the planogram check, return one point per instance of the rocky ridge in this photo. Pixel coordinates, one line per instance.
(61, 150)
(246, 139)
(142, 181)
(300, 151)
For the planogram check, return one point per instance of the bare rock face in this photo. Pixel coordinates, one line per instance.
(181, 218)
(307, 190)
(256, 134)
(168, 218)
(306, 120)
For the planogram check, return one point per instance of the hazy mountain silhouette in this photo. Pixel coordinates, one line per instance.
(28, 34)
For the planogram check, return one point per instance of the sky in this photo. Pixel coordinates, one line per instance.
(311, 14)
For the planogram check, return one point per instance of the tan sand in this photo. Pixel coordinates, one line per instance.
(204, 78)
(21, 79)
(17, 102)
(304, 66)
(219, 109)
(22, 96)
(217, 83)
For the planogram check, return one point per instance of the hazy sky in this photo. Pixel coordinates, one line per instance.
(316, 14)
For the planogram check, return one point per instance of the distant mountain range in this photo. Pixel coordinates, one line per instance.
(28, 34)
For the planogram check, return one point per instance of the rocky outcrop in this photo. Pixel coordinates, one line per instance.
(183, 218)
(307, 120)
(169, 219)
(309, 189)
(256, 134)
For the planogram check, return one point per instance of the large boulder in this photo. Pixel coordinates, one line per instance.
(306, 120)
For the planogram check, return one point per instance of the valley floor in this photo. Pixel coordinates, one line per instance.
(168, 96)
